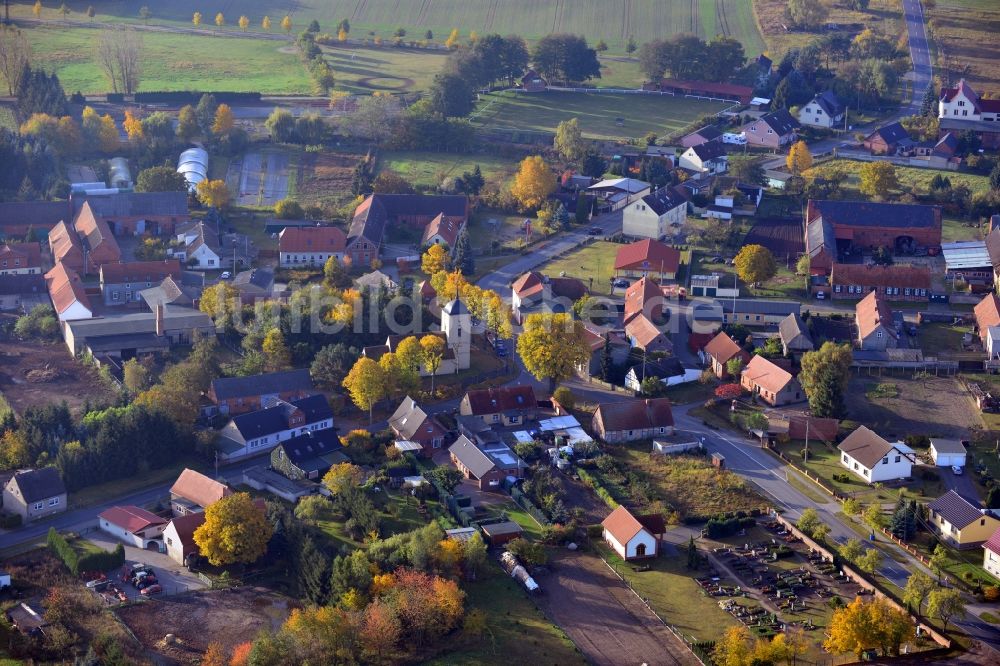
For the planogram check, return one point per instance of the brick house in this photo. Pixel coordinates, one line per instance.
(310, 246)
(647, 258)
(236, 395)
(413, 424)
(774, 130)
(987, 314)
(308, 456)
(772, 383)
(378, 211)
(703, 135)
(888, 139)
(897, 282)
(720, 350)
(85, 244)
(507, 405)
(20, 259)
(486, 469)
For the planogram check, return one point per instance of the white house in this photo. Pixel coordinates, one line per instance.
(201, 246)
(874, 459)
(706, 158)
(310, 246)
(655, 215)
(991, 555)
(178, 537)
(257, 432)
(824, 110)
(133, 525)
(947, 452)
(633, 537)
(964, 103)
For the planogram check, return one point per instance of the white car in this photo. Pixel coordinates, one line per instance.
(956, 470)
(737, 139)
(225, 275)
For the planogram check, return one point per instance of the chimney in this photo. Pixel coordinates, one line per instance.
(160, 326)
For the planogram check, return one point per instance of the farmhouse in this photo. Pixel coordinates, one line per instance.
(127, 335)
(310, 246)
(772, 130)
(643, 334)
(85, 244)
(824, 110)
(69, 297)
(647, 258)
(888, 139)
(442, 231)
(34, 494)
(705, 158)
(136, 213)
(380, 211)
(411, 423)
(256, 432)
(535, 292)
(507, 405)
(643, 297)
(947, 452)
(200, 246)
(19, 218)
(596, 339)
(20, 259)
(874, 459)
(964, 104)
(960, 522)
(794, 335)
(192, 492)
(874, 320)
(633, 420)
(720, 350)
(633, 537)
(772, 383)
(178, 537)
(133, 525)
(899, 282)
(754, 312)
(661, 369)
(308, 456)
(655, 215)
(236, 395)
(987, 313)
(121, 283)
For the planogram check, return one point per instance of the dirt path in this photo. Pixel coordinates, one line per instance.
(604, 618)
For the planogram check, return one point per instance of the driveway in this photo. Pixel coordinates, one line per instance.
(960, 483)
(174, 578)
(604, 618)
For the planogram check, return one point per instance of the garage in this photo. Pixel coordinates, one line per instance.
(948, 452)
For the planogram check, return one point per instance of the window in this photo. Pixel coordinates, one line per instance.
(54, 501)
(885, 461)
(961, 103)
(640, 550)
(495, 418)
(879, 334)
(906, 292)
(38, 506)
(115, 295)
(897, 458)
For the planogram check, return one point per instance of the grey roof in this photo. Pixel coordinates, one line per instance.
(961, 125)
(41, 214)
(407, 418)
(819, 235)
(455, 307)
(993, 246)
(21, 284)
(137, 204)
(872, 214)
(109, 343)
(171, 292)
(661, 368)
(273, 382)
(756, 306)
(709, 150)
(374, 280)
(828, 101)
(892, 133)
(471, 457)
(708, 132)
(956, 509)
(275, 419)
(307, 452)
(261, 278)
(780, 121)
(39, 484)
(371, 221)
(793, 332)
(664, 200)
(175, 317)
(948, 445)
(203, 235)
(502, 528)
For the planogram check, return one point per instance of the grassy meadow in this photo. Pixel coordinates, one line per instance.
(612, 22)
(963, 33)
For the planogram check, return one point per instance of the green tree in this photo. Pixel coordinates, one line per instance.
(918, 588)
(807, 14)
(350, 572)
(451, 96)
(824, 377)
(568, 141)
(160, 179)
(809, 521)
(852, 550)
(462, 258)
(938, 561)
(944, 604)
(187, 123)
(870, 561)
(288, 209)
(747, 169)
(755, 264)
(565, 58)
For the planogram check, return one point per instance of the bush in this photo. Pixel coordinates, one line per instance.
(601, 491)
(991, 593)
(96, 561)
(722, 527)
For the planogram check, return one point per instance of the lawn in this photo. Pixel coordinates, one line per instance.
(429, 169)
(614, 23)
(491, 231)
(883, 15)
(516, 631)
(910, 178)
(364, 69)
(132, 484)
(940, 338)
(597, 113)
(964, 32)
(174, 62)
(513, 512)
(593, 263)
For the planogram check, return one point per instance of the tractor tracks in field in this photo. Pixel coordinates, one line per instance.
(491, 14)
(360, 9)
(425, 7)
(627, 19)
(557, 18)
(722, 22)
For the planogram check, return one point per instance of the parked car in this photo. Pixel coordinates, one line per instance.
(956, 470)
(739, 139)
(594, 231)
(152, 589)
(225, 275)
(620, 282)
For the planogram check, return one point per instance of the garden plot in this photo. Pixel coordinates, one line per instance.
(260, 179)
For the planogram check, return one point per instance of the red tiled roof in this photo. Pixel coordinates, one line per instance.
(185, 526)
(823, 429)
(708, 86)
(141, 271)
(131, 518)
(198, 488)
(896, 275)
(648, 255)
(65, 288)
(622, 525)
(635, 414)
(529, 284)
(30, 254)
(993, 543)
(722, 348)
(496, 400)
(871, 312)
(312, 239)
(987, 313)
(638, 294)
(447, 228)
(643, 331)
(767, 375)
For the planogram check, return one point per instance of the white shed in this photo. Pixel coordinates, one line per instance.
(133, 525)
(633, 537)
(948, 452)
(4, 579)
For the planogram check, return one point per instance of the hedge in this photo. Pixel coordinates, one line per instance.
(95, 561)
(188, 97)
(601, 491)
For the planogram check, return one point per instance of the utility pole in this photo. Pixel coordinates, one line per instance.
(805, 453)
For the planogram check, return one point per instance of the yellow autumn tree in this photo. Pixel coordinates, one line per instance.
(452, 41)
(533, 183)
(552, 346)
(433, 353)
(265, 23)
(224, 120)
(276, 354)
(196, 19)
(220, 20)
(435, 260)
(342, 35)
(214, 655)
(213, 193)
(365, 383)
(235, 531)
(342, 477)
(878, 179)
(244, 23)
(799, 158)
(133, 126)
(286, 24)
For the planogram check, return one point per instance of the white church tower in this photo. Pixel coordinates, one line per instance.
(456, 324)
